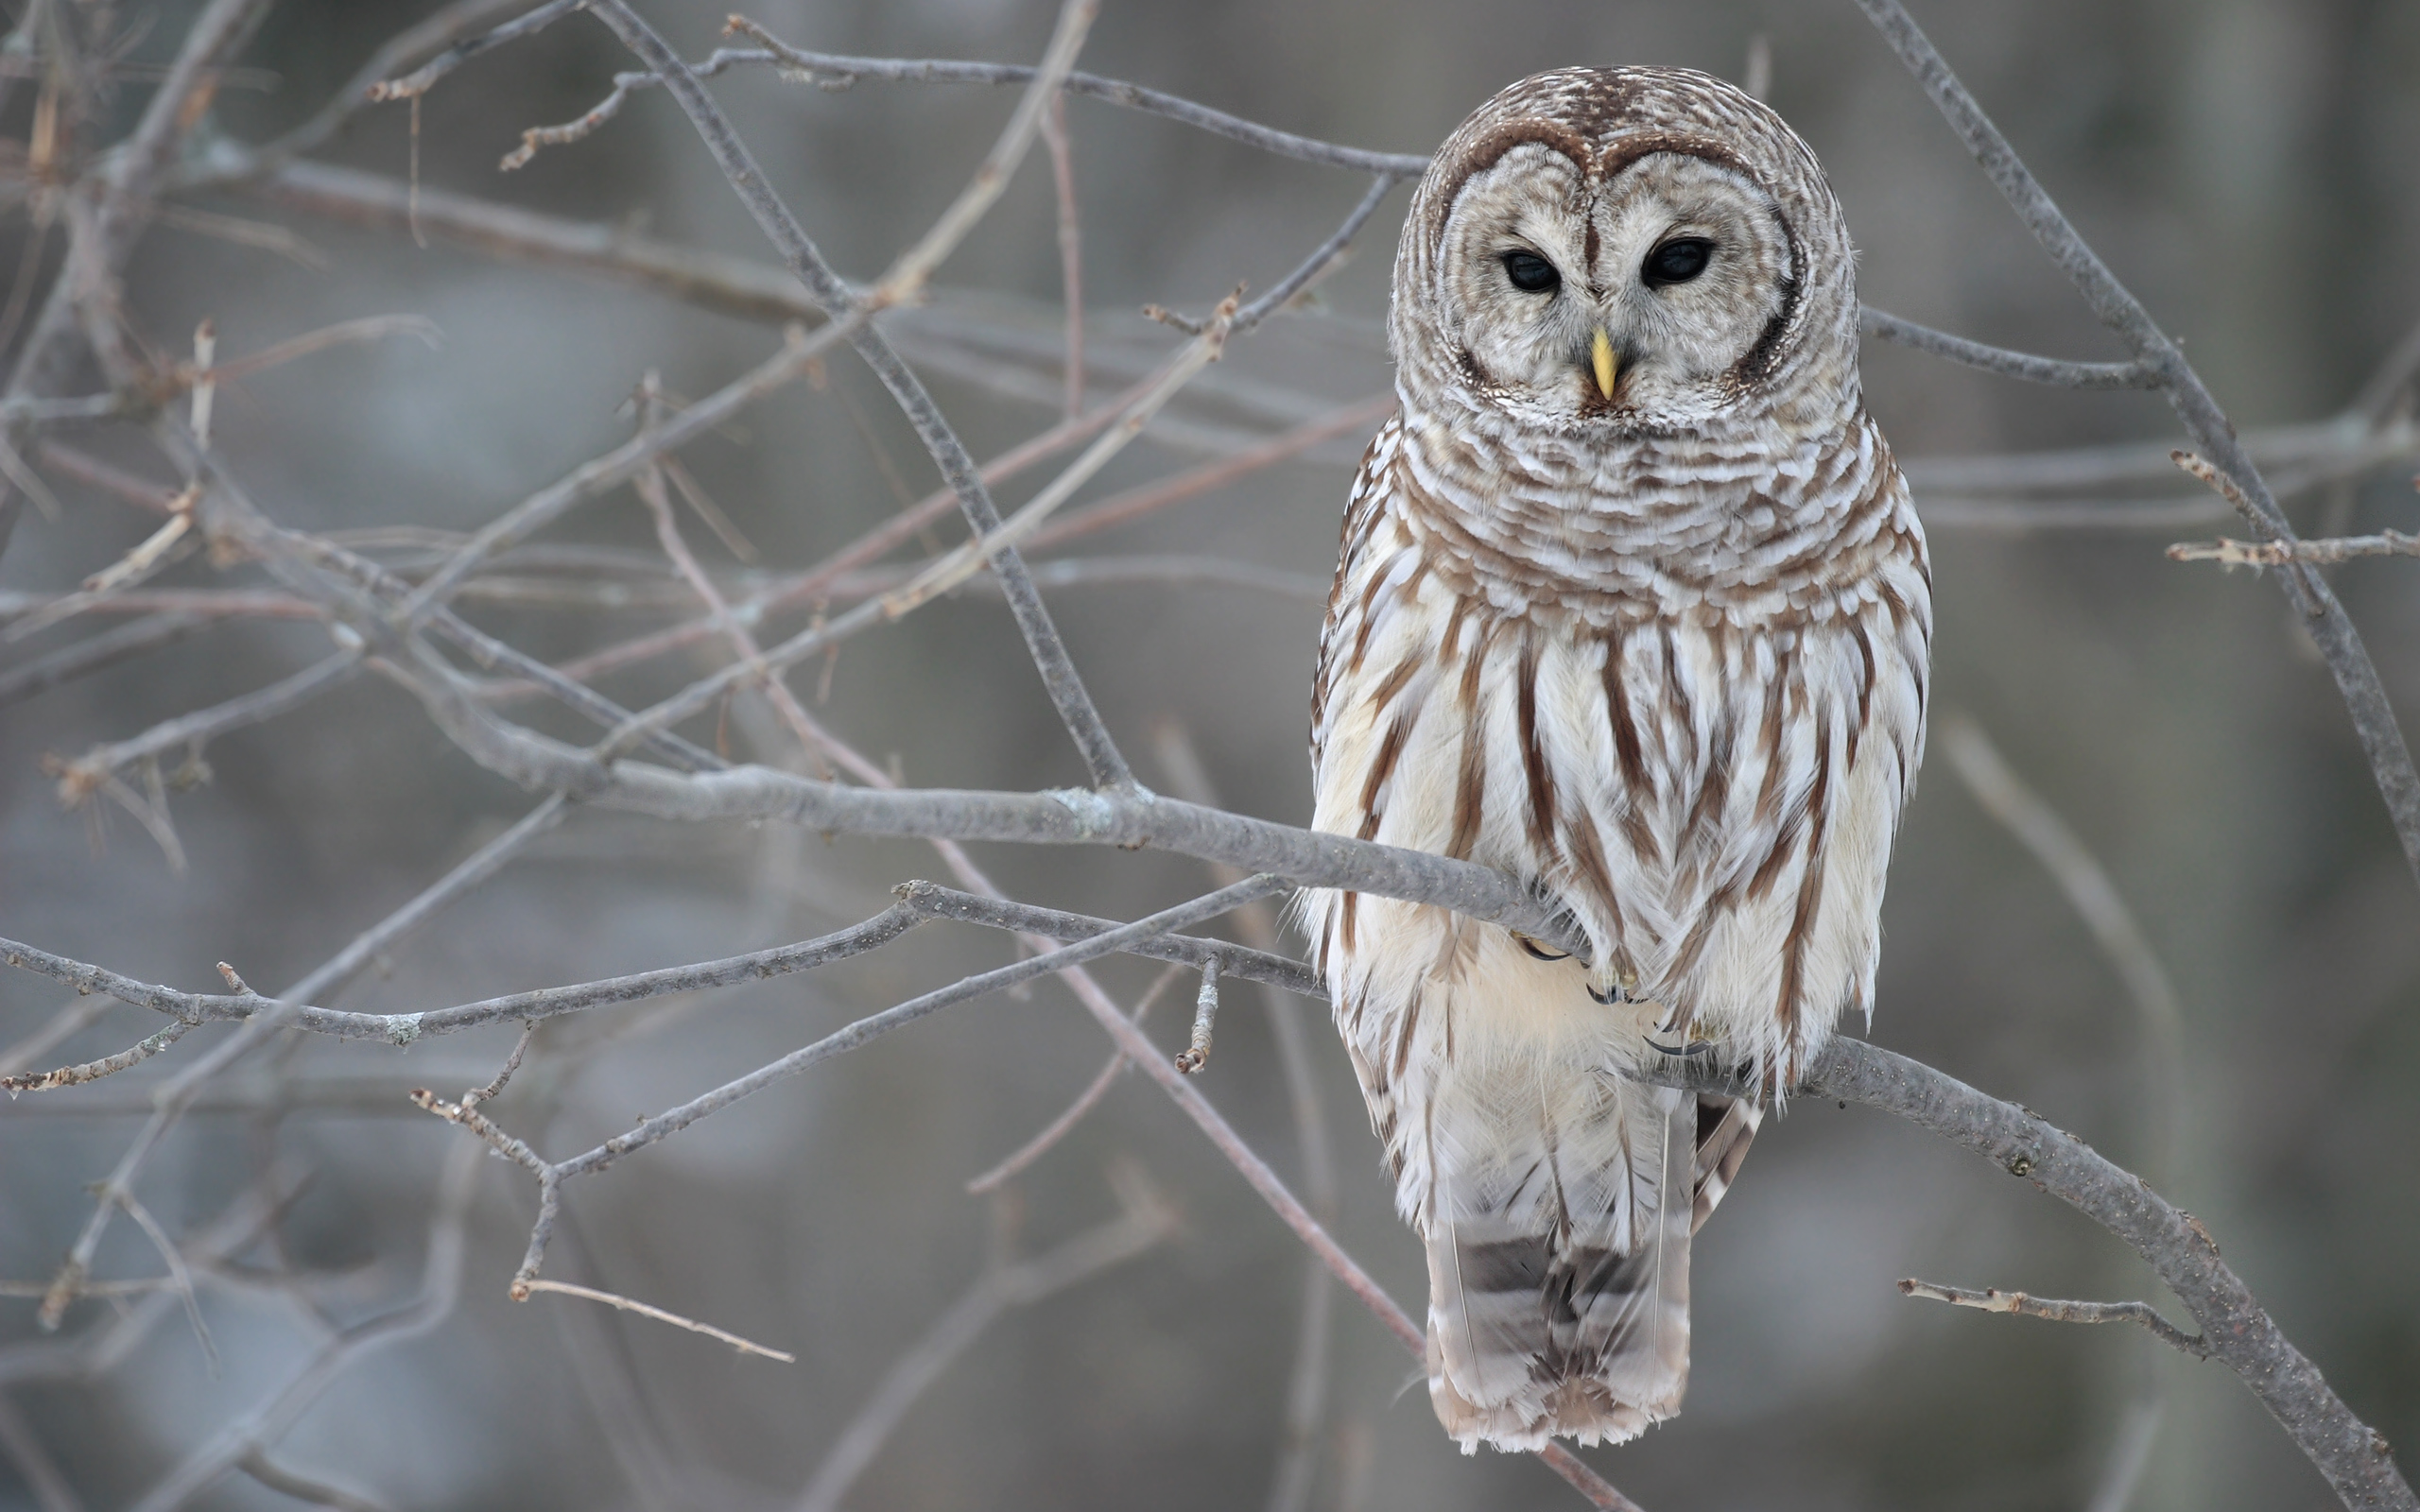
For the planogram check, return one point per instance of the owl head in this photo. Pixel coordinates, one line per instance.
(1600, 253)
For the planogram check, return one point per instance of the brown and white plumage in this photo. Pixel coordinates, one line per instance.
(1633, 604)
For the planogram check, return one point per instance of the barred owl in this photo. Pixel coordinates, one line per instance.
(1633, 605)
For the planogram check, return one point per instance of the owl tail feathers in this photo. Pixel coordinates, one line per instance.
(1581, 1330)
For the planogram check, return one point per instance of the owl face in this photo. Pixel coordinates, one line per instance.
(1631, 302)
(1608, 252)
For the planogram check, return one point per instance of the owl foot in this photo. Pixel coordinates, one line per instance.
(1539, 950)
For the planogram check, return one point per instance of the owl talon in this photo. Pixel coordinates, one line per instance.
(1683, 1052)
(1540, 951)
(1608, 999)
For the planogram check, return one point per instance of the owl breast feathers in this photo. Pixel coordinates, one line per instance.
(1633, 605)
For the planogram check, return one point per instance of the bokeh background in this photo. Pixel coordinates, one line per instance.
(2245, 164)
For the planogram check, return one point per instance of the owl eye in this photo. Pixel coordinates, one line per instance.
(1530, 273)
(1676, 262)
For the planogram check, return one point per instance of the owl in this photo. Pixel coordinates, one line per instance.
(1632, 605)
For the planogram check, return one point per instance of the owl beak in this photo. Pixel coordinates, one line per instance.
(1607, 366)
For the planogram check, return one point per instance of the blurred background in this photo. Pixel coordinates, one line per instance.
(2245, 166)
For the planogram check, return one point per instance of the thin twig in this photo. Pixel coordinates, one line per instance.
(1059, 1128)
(903, 282)
(1887, 327)
(79, 778)
(2039, 828)
(1308, 1384)
(179, 1276)
(90, 1071)
(1994, 1300)
(544, 1003)
(2279, 553)
(628, 1305)
(1071, 247)
(1145, 1223)
(1059, 676)
(839, 69)
(303, 1488)
(421, 80)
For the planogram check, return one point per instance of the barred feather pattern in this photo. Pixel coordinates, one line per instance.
(1710, 786)
(1676, 677)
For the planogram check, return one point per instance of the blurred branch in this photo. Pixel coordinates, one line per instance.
(1307, 1389)
(303, 1488)
(78, 779)
(1017, 1162)
(1071, 247)
(96, 652)
(122, 190)
(2331, 629)
(422, 80)
(1146, 1221)
(2071, 864)
(1993, 1299)
(257, 1430)
(25, 1452)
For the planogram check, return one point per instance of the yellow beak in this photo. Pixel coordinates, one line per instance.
(1600, 357)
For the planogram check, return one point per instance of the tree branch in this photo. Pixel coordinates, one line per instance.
(2331, 629)
(1992, 1300)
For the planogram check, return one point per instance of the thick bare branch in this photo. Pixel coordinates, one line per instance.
(2353, 1456)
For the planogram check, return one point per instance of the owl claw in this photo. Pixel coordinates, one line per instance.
(1698, 1049)
(1539, 950)
(1608, 999)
